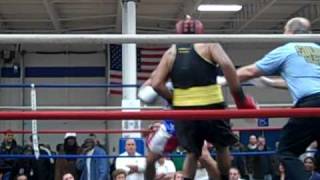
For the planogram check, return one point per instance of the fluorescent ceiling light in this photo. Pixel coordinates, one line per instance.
(219, 7)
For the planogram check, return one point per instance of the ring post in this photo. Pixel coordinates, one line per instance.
(129, 68)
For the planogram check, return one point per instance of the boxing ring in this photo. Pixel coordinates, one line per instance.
(105, 113)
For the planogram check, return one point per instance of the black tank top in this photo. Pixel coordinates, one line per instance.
(190, 69)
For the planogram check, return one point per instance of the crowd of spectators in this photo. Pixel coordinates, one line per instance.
(128, 167)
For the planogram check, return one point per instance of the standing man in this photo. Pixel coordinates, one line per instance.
(299, 66)
(92, 168)
(193, 69)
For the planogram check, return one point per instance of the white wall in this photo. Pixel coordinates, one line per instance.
(61, 96)
(241, 54)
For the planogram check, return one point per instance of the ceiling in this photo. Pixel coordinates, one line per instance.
(153, 16)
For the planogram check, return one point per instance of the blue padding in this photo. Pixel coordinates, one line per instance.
(139, 144)
(51, 72)
(65, 72)
(9, 72)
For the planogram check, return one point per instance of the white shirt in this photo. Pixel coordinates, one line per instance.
(122, 163)
(88, 163)
(201, 174)
(166, 167)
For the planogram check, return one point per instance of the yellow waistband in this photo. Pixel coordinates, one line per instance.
(198, 96)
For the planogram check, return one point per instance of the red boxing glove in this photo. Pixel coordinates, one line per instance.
(243, 101)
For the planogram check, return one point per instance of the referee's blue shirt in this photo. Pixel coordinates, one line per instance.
(299, 66)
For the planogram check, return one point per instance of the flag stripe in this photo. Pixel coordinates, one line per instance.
(150, 63)
(147, 60)
(115, 92)
(151, 55)
(153, 49)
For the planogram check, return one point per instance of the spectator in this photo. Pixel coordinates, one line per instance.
(179, 159)
(253, 142)
(234, 174)
(59, 149)
(27, 165)
(201, 172)
(178, 175)
(165, 168)
(67, 176)
(70, 145)
(239, 161)
(10, 146)
(119, 174)
(92, 168)
(134, 166)
(310, 151)
(251, 147)
(97, 141)
(280, 174)
(63, 166)
(308, 163)
(21, 177)
(262, 165)
(37, 169)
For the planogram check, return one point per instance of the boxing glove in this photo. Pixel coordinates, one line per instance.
(169, 85)
(243, 101)
(147, 94)
(221, 80)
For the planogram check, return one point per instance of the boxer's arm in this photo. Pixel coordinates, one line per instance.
(219, 56)
(148, 82)
(230, 73)
(161, 74)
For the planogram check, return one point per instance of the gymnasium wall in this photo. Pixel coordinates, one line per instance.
(52, 60)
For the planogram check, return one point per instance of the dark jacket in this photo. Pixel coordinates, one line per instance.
(41, 169)
(8, 164)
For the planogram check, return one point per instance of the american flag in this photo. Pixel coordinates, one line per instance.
(147, 60)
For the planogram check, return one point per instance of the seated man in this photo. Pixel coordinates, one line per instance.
(133, 166)
(234, 174)
(165, 168)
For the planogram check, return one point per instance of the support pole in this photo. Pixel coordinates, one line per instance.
(129, 67)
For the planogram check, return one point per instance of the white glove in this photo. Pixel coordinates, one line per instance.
(169, 85)
(221, 80)
(147, 94)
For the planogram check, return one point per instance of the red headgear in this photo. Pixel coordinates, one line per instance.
(189, 26)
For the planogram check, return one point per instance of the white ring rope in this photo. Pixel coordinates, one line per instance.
(152, 38)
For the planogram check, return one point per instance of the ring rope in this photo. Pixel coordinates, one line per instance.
(113, 85)
(116, 107)
(18, 156)
(152, 38)
(81, 107)
(119, 131)
(161, 114)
